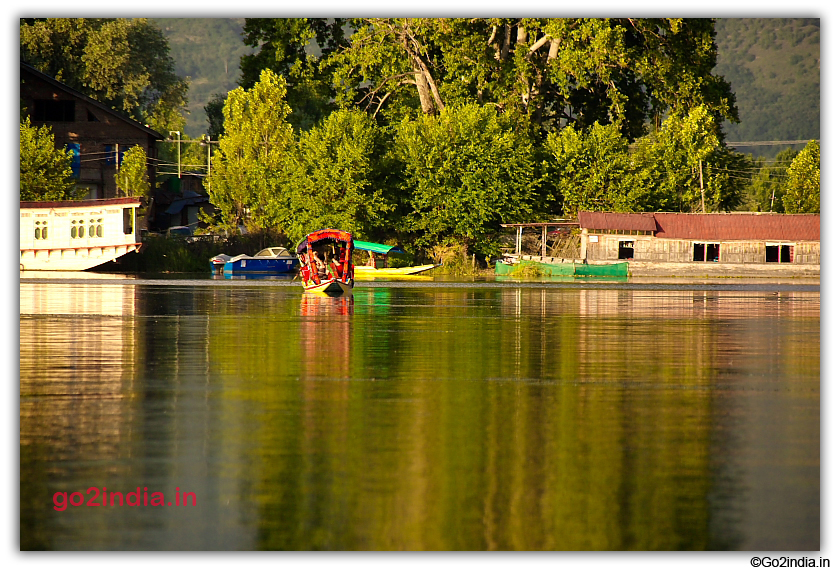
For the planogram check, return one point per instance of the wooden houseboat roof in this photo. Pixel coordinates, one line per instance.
(64, 204)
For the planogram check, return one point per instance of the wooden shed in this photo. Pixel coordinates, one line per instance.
(724, 238)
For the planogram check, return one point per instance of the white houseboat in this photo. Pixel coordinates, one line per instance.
(76, 235)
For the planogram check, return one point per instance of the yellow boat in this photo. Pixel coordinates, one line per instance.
(368, 271)
(378, 264)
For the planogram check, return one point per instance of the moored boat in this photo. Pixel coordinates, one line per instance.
(75, 235)
(269, 261)
(326, 262)
(551, 267)
(377, 265)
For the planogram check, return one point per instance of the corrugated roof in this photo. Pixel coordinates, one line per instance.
(788, 227)
(617, 221)
(741, 226)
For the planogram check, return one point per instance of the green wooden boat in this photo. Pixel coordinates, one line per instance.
(568, 269)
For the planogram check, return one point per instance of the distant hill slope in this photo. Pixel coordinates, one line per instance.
(208, 51)
(773, 65)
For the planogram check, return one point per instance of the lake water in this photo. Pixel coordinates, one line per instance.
(419, 415)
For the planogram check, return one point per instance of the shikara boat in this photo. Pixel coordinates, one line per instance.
(326, 262)
(269, 261)
(378, 264)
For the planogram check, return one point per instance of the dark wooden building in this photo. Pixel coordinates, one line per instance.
(97, 135)
(731, 238)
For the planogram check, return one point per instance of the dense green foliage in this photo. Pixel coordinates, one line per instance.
(802, 195)
(331, 178)
(436, 131)
(121, 62)
(132, 178)
(45, 172)
(465, 172)
(246, 175)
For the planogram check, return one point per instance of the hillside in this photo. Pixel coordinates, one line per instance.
(207, 50)
(773, 65)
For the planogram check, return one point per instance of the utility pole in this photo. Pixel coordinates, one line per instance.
(702, 190)
(179, 150)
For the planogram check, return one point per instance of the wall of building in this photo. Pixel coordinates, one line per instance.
(653, 249)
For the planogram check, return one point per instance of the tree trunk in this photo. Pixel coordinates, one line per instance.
(426, 102)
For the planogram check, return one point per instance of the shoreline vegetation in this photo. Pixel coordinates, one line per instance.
(161, 254)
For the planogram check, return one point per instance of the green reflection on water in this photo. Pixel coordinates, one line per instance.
(419, 418)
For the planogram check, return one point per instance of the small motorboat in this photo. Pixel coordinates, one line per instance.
(269, 261)
(326, 262)
(377, 266)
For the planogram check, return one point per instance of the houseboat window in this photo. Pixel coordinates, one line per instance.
(40, 230)
(128, 221)
(706, 252)
(99, 230)
(625, 249)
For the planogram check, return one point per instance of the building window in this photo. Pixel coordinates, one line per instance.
(128, 221)
(54, 111)
(706, 252)
(40, 230)
(778, 253)
(625, 249)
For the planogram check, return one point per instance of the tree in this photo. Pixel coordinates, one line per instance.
(802, 195)
(45, 172)
(331, 177)
(465, 171)
(667, 166)
(132, 178)
(765, 190)
(121, 62)
(296, 49)
(591, 170)
(245, 181)
(555, 71)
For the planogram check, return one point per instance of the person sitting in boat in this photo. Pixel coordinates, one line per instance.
(335, 265)
(372, 261)
(320, 266)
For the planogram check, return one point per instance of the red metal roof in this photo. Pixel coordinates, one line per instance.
(741, 226)
(791, 227)
(617, 221)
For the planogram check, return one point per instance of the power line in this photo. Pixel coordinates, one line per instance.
(769, 143)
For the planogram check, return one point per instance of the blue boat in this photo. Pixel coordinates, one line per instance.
(269, 261)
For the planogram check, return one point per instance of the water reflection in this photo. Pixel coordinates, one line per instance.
(410, 418)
